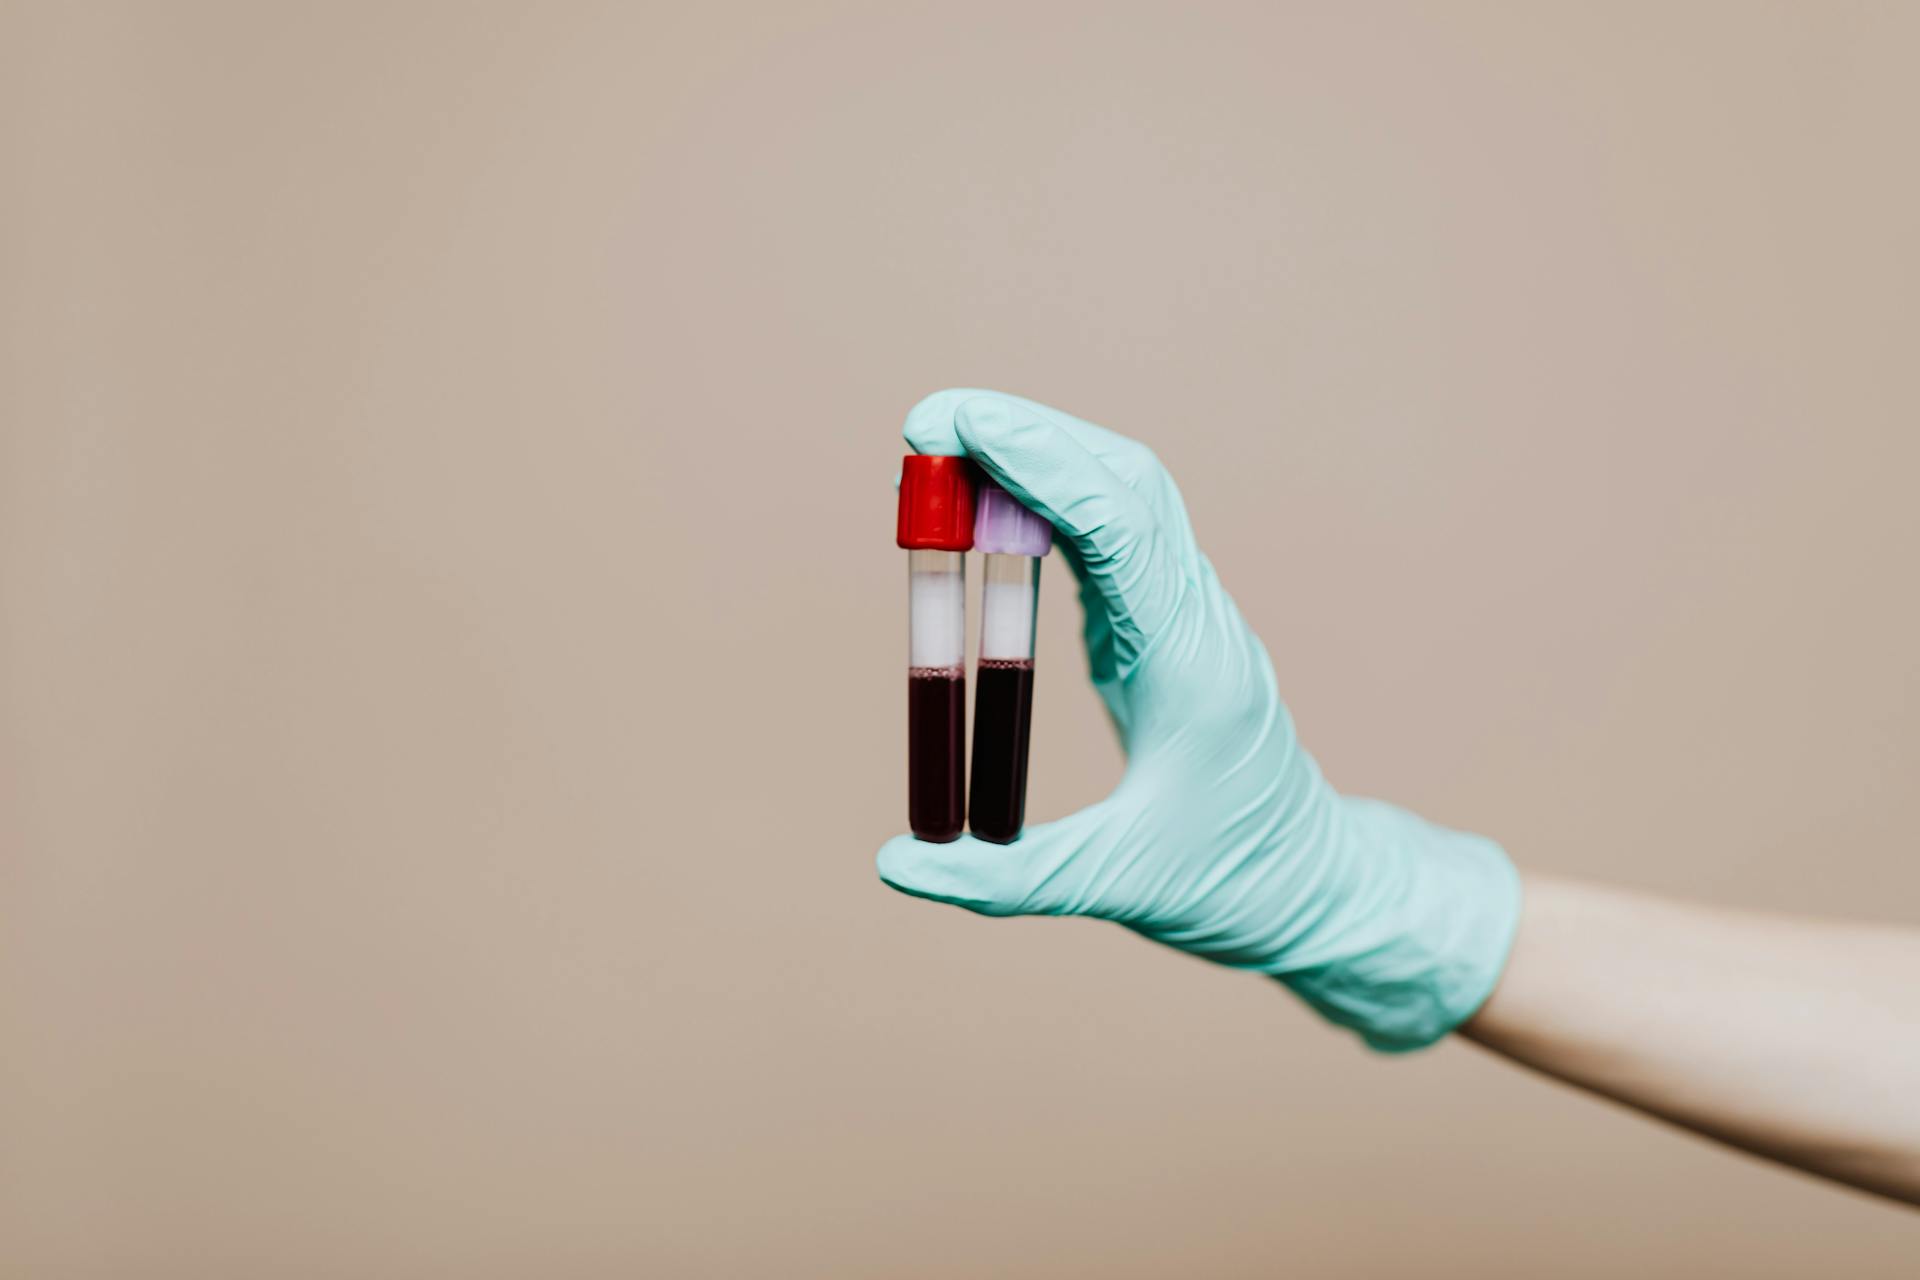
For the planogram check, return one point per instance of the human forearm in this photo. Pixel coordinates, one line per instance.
(1797, 1040)
(1222, 839)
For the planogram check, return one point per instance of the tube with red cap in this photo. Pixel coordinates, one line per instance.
(936, 529)
(1013, 540)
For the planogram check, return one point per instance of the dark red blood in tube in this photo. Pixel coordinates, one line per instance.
(936, 752)
(1002, 717)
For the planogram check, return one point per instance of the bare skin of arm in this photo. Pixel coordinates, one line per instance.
(1796, 1040)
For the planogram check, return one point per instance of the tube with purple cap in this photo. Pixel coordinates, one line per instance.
(1014, 539)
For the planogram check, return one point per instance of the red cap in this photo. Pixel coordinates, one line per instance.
(936, 503)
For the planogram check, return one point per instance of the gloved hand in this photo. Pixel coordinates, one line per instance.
(1222, 838)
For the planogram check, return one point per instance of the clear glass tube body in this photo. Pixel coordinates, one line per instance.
(1003, 697)
(936, 693)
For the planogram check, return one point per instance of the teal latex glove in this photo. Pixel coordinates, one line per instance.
(1222, 838)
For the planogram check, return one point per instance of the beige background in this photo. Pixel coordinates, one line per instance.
(450, 677)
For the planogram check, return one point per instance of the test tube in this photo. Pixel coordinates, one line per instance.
(936, 529)
(1014, 539)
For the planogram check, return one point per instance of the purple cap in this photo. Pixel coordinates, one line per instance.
(1001, 526)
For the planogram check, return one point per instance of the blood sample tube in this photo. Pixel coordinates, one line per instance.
(1014, 539)
(936, 528)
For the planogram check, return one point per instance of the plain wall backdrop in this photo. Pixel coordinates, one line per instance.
(451, 637)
